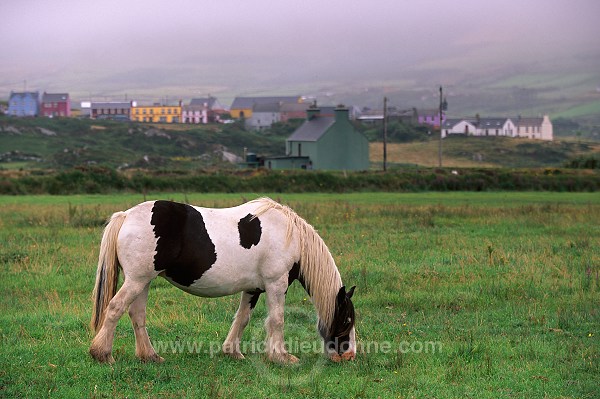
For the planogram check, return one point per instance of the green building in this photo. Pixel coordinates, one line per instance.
(324, 142)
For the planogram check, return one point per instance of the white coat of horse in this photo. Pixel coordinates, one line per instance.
(260, 246)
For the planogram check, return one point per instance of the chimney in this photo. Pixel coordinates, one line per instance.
(312, 111)
(342, 113)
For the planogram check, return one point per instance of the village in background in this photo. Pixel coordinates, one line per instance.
(262, 111)
(326, 140)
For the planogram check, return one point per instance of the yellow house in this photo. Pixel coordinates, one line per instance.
(242, 107)
(156, 113)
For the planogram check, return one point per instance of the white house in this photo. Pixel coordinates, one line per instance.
(194, 114)
(533, 128)
(263, 116)
(458, 126)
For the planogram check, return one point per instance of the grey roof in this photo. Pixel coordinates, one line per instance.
(35, 94)
(54, 97)
(111, 104)
(266, 107)
(450, 123)
(520, 121)
(249, 102)
(481, 123)
(193, 107)
(204, 100)
(491, 122)
(294, 107)
(429, 112)
(313, 129)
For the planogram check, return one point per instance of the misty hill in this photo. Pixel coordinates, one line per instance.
(562, 89)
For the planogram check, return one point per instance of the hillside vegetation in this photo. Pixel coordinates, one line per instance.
(65, 143)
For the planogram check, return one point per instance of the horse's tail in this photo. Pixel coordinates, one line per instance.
(107, 275)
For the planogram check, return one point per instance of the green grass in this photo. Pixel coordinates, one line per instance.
(485, 152)
(506, 286)
(590, 108)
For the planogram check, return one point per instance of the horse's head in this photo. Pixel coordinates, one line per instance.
(340, 339)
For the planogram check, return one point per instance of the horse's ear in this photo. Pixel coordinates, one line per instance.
(341, 296)
(350, 292)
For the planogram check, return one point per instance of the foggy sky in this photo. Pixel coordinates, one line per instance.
(117, 46)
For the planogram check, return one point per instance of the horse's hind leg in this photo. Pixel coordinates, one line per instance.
(231, 346)
(101, 348)
(137, 312)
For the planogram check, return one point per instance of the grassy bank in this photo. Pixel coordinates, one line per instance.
(459, 294)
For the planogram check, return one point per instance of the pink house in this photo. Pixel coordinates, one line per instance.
(431, 117)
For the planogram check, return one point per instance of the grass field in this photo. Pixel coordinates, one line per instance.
(468, 152)
(484, 295)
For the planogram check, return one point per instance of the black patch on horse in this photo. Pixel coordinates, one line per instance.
(250, 231)
(254, 298)
(294, 274)
(183, 249)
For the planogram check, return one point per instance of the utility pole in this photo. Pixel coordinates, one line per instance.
(443, 107)
(440, 146)
(384, 134)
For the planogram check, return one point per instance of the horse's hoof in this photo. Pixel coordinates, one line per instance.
(350, 355)
(235, 355)
(284, 358)
(102, 357)
(154, 358)
(291, 359)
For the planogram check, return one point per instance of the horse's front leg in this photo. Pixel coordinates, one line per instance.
(274, 325)
(231, 346)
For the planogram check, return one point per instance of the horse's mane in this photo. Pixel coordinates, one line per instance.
(317, 267)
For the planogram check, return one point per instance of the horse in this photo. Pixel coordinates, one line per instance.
(258, 247)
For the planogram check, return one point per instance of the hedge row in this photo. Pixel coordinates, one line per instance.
(102, 180)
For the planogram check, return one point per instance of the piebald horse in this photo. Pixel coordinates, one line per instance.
(257, 247)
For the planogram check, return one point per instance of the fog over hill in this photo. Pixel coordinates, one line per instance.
(498, 56)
